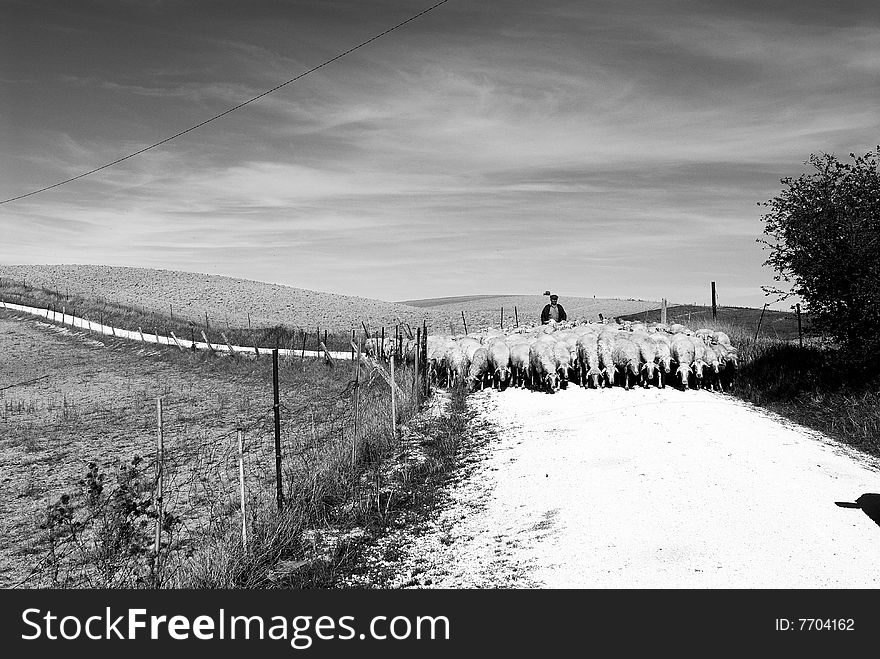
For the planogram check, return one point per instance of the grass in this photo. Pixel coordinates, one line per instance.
(99, 406)
(135, 318)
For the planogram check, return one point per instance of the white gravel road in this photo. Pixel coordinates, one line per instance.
(648, 489)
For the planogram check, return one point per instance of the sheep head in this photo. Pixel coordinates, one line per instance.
(683, 373)
(593, 376)
(552, 381)
(699, 365)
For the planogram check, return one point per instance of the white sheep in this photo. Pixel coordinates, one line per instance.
(627, 361)
(478, 369)
(543, 367)
(588, 359)
(499, 362)
(683, 354)
(519, 363)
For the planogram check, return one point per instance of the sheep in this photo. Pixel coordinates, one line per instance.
(662, 354)
(647, 355)
(678, 328)
(519, 363)
(638, 326)
(469, 346)
(713, 360)
(588, 359)
(605, 345)
(456, 364)
(499, 361)
(683, 354)
(626, 358)
(705, 335)
(478, 369)
(699, 359)
(543, 367)
(564, 364)
(721, 337)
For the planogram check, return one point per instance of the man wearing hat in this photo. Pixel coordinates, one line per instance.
(553, 311)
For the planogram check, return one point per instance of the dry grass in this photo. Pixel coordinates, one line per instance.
(99, 405)
(227, 300)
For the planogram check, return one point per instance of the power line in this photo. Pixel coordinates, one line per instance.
(229, 110)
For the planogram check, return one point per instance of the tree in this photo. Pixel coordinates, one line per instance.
(823, 233)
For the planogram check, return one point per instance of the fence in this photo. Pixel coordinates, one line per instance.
(332, 422)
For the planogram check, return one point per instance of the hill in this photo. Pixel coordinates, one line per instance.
(485, 310)
(775, 324)
(226, 299)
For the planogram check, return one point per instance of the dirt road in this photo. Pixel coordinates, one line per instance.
(648, 489)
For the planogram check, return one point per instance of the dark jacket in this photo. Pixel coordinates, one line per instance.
(545, 313)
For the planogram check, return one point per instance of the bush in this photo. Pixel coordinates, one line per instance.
(823, 234)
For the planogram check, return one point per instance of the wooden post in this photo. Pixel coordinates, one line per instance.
(463, 321)
(759, 321)
(415, 391)
(352, 341)
(208, 343)
(172, 310)
(325, 338)
(241, 485)
(714, 314)
(176, 340)
(366, 331)
(303, 353)
(663, 311)
(207, 329)
(424, 348)
(393, 401)
(277, 407)
(800, 329)
(249, 321)
(228, 344)
(192, 337)
(502, 317)
(515, 315)
(357, 396)
(160, 457)
(382, 349)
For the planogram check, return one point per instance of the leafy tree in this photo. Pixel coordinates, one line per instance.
(823, 233)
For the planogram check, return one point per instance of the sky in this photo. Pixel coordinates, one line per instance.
(616, 149)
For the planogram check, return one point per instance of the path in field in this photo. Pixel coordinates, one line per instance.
(649, 489)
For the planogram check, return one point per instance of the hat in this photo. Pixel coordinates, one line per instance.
(554, 297)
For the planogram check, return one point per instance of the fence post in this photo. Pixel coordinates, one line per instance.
(416, 372)
(424, 348)
(241, 485)
(515, 315)
(502, 317)
(663, 311)
(357, 397)
(759, 321)
(302, 355)
(714, 315)
(160, 457)
(800, 330)
(393, 401)
(277, 407)
(464, 322)
(207, 329)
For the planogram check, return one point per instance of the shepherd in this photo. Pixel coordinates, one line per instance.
(553, 311)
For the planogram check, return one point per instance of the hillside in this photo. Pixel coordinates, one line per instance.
(485, 310)
(775, 324)
(225, 299)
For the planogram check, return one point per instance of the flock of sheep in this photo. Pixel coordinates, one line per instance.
(548, 357)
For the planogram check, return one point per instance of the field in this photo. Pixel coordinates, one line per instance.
(240, 303)
(485, 310)
(68, 400)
